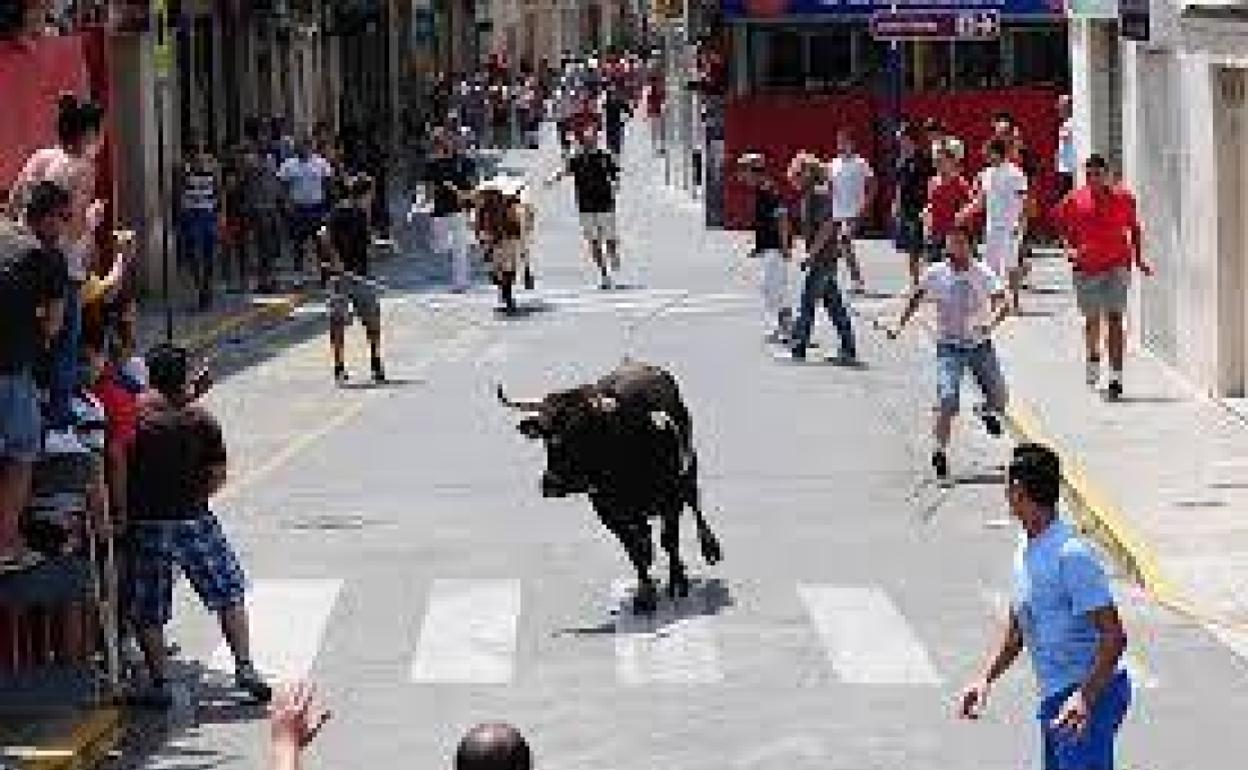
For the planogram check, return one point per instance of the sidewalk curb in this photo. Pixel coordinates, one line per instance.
(99, 733)
(278, 308)
(1103, 521)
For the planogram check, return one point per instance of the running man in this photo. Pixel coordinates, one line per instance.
(1098, 224)
(853, 189)
(345, 240)
(970, 304)
(1001, 196)
(773, 240)
(948, 193)
(1063, 612)
(595, 175)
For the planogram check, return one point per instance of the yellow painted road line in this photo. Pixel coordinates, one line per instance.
(1108, 525)
(280, 307)
(286, 453)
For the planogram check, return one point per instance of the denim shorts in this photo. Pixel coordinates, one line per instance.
(953, 360)
(348, 293)
(21, 426)
(199, 548)
(1094, 748)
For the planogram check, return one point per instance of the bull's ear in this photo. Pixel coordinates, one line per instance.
(606, 404)
(661, 419)
(531, 427)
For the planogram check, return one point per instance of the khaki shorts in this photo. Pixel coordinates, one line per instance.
(598, 225)
(1103, 292)
(347, 294)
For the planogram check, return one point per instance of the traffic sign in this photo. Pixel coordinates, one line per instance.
(936, 25)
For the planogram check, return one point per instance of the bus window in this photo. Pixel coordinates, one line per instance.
(831, 58)
(977, 64)
(1040, 55)
(929, 68)
(782, 57)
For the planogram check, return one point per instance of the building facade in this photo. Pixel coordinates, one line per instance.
(1172, 106)
(528, 32)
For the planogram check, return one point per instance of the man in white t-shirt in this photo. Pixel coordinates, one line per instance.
(306, 176)
(853, 188)
(1001, 196)
(970, 303)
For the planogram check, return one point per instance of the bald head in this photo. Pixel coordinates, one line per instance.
(493, 747)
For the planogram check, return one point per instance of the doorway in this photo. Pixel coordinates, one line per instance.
(1231, 130)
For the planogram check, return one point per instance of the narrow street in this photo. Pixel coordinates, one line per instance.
(403, 557)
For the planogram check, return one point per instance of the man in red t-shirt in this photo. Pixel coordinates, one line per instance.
(1098, 224)
(948, 193)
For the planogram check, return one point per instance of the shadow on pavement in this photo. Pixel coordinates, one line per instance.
(707, 597)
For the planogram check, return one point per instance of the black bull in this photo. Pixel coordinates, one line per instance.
(627, 442)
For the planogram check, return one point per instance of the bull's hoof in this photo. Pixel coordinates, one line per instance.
(646, 600)
(678, 586)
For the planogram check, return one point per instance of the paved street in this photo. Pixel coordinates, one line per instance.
(404, 559)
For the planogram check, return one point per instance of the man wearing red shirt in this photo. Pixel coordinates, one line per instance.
(1098, 225)
(947, 194)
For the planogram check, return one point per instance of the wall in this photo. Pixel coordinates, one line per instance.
(1171, 159)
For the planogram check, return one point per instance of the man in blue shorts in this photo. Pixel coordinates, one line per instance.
(176, 464)
(1063, 612)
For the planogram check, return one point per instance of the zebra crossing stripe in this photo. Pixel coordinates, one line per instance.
(673, 646)
(1142, 676)
(866, 638)
(469, 633)
(288, 618)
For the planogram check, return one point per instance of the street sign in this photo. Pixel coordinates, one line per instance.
(162, 46)
(935, 25)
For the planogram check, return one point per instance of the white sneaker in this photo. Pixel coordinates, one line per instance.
(1093, 374)
(63, 442)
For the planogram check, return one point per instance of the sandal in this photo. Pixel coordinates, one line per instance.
(19, 562)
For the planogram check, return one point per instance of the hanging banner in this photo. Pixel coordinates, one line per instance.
(770, 9)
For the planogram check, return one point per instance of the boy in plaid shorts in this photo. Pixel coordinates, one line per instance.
(177, 462)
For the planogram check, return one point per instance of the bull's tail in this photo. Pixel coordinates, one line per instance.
(707, 541)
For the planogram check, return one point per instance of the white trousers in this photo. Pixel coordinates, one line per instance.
(1001, 251)
(777, 294)
(451, 235)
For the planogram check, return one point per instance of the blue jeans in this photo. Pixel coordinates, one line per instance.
(820, 284)
(199, 246)
(63, 374)
(952, 361)
(1094, 748)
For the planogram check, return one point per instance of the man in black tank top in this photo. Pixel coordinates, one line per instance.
(345, 239)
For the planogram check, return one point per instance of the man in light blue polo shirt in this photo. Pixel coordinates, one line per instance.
(1064, 614)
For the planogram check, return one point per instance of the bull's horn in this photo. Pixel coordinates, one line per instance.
(524, 406)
